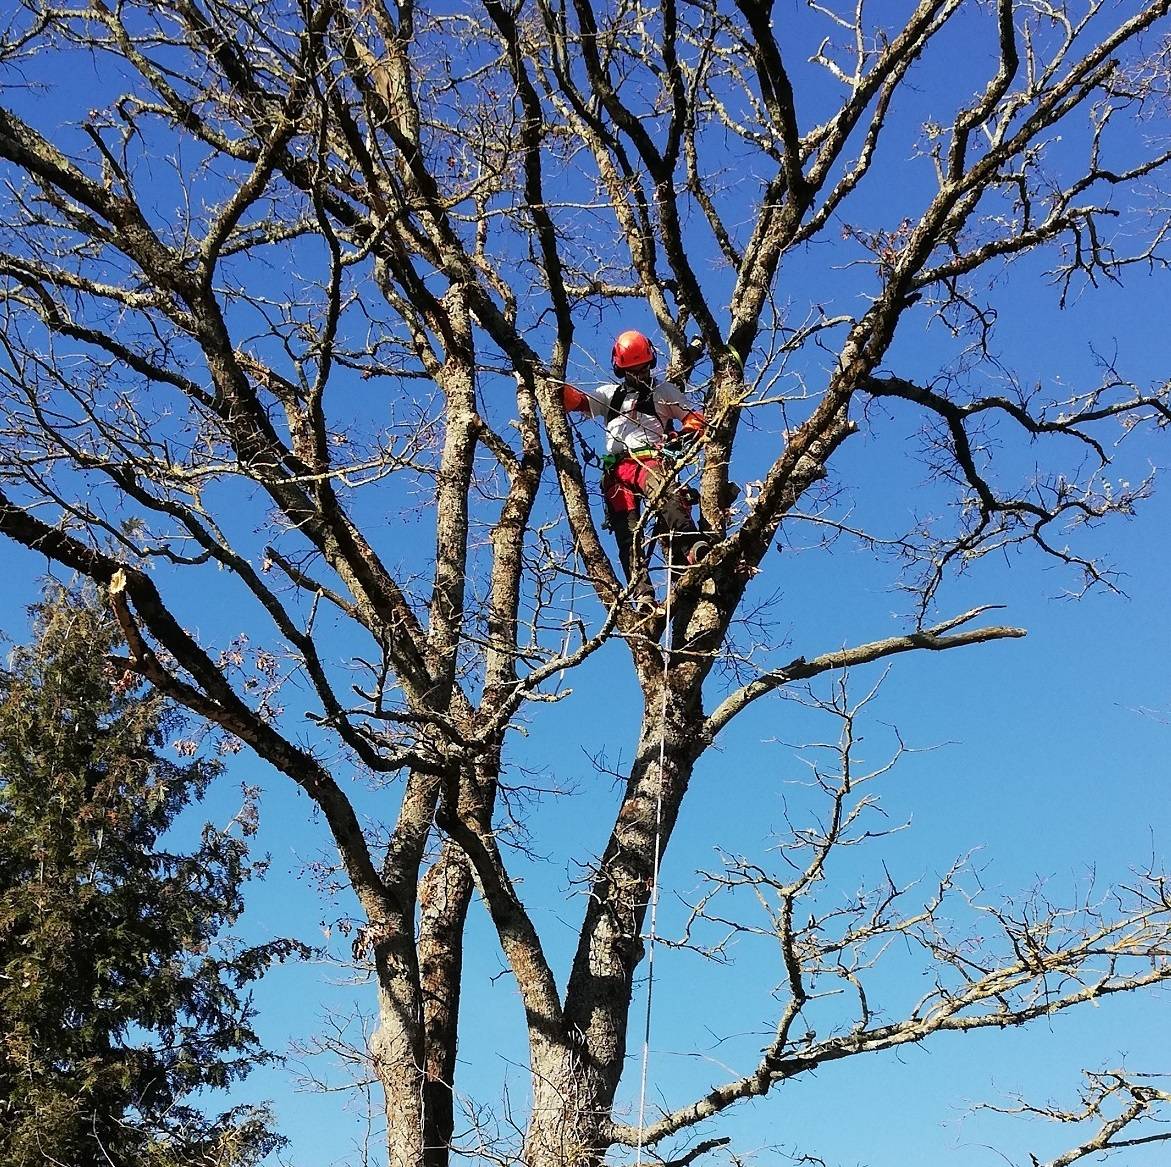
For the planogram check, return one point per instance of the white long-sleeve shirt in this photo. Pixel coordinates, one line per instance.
(631, 429)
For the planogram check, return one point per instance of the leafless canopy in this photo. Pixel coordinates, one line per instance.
(289, 291)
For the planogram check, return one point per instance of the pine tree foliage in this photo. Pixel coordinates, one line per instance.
(118, 1004)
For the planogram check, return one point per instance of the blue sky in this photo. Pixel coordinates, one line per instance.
(1047, 759)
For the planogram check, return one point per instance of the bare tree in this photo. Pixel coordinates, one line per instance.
(296, 272)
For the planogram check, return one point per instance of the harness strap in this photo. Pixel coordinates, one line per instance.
(643, 453)
(644, 402)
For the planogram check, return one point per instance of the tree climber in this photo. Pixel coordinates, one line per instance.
(639, 412)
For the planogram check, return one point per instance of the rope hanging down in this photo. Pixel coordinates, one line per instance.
(654, 905)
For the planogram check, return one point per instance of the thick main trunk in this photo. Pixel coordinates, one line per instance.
(398, 1046)
(611, 945)
(575, 1082)
(570, 1109)
(444, 896)
(397, 1050)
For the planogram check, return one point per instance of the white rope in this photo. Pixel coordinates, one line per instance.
(571, 618)
(650, 963)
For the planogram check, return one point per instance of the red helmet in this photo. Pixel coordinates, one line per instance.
(632, 350)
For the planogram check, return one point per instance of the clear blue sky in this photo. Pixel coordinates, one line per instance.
(1049, 760)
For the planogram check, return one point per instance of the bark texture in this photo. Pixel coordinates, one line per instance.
(290, 300)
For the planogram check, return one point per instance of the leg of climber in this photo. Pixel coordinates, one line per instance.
(622, 514)
(674, 519)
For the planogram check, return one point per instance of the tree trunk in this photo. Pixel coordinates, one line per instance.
(397, 1050)
(444, 896)
(570, 1108)
(574, 1084)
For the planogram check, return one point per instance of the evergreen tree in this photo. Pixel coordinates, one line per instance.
(117, 1001)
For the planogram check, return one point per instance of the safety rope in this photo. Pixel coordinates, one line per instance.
(654, 905)
(571, 621)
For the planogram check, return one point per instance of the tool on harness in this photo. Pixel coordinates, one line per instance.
(679, 444)
(589, 455)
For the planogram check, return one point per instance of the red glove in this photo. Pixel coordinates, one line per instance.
(573, 400)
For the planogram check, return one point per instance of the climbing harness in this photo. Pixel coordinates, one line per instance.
(644, 400)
